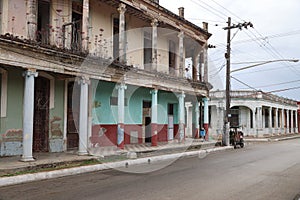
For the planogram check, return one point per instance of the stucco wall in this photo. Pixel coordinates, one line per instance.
(14, 17)
(11, 129)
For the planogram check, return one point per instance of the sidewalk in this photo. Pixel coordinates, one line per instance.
(272, 138)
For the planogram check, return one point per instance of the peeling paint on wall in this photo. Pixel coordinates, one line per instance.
(55, 128)
(11, 143)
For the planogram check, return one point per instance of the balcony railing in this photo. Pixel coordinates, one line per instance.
(72, 36)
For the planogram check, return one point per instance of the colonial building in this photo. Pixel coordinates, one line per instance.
(88, 73)
(255, 112)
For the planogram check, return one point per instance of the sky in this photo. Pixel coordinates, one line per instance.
(275, 36)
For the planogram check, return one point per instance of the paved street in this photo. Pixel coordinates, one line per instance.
(260, 171)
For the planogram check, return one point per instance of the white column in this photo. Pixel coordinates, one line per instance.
(270, 120)
(254, 128)
(296, 125)
(154, 25)
(292, 121)
(121, 114)
(287, 121)
(154, 118)
(276, 118)
(259, 120)
(85, 25)
(181, 115)
(282, 121)
(122, 10)
(196, 119)
(83, 116)
(205, 63)
(28, 115)
(180, 71)
(206, 118)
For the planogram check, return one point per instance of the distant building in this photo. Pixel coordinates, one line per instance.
(79, 74)
(255, 112)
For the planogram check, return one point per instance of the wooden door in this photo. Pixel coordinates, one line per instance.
(41, 115)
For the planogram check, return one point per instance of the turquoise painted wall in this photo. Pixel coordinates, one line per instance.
(104, 114)
(107, 114)
(134, 110)
(165, 98)
(15, 90)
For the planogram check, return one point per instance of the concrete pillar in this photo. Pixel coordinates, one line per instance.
(180, 72)
(205, 63)
(121, 115)
(276, 120)
(195, 60)
(259, 120)
(181, 115)
(195, 120)
(254, 121)
(287, 121)
(28, 114)
(270, 120)
(32, 19)
(292, 121)
(122, 42)
(83, 116)
(282, 121)
(296, 122)
(154, 118)
(206, 120)
(154, 25)
(85, 25)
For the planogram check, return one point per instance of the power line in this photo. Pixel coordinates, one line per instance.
(285, 89)
(276, 84)
(263, 70)
(209, 10)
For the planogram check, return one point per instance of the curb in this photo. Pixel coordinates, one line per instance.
(271, 140)
(6, 181)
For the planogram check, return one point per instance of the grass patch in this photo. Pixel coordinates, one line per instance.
(50, 167)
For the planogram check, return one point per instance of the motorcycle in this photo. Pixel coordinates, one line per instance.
(236, 137)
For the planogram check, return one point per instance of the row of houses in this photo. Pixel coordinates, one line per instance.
(88, 73)
(256, 113)
(82, 74)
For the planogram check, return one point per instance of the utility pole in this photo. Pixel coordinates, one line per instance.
(225, 138)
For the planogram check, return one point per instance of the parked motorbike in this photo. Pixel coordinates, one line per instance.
(236, 137)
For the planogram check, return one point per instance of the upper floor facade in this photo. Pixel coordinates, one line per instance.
(140, 34)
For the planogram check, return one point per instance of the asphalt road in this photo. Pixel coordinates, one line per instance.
(261, 171)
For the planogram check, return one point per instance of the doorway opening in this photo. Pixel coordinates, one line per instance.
(41, 115)
(73, 116)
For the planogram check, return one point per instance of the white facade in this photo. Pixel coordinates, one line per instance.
(255, 112)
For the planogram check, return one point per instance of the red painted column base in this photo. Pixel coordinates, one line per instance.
(153, 134)
(121, 131)
(206, 131)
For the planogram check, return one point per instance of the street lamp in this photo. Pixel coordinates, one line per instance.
(265, 62)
